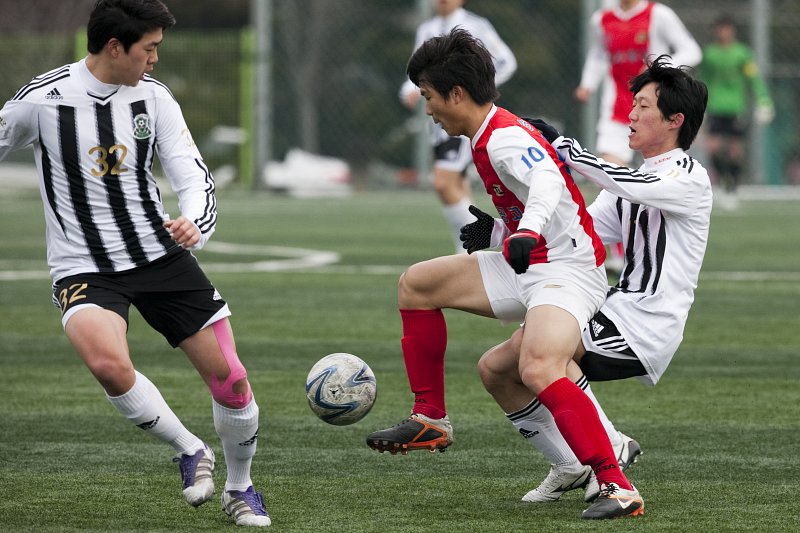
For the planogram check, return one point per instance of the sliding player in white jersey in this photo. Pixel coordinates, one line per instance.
(661, 214)
(452, 155)
(96, 127)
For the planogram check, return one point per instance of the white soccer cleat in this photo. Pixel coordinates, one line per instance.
(628, 452)
(559, 481)
(246, 507)
(197, 476)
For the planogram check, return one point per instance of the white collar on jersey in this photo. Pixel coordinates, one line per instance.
(92, 84)
(660, 161)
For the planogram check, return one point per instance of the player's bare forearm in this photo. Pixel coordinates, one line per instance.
(183, 231)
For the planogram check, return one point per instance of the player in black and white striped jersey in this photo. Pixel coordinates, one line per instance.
(96, 126)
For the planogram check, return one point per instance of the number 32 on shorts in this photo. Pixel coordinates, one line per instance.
(72, 294)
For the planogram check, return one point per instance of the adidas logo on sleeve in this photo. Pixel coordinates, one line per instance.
(53, 95)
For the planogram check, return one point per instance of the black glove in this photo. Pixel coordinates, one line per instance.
(548, 131)
(517, 249)
(477, 235)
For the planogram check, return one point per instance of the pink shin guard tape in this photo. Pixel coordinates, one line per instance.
(223, 392)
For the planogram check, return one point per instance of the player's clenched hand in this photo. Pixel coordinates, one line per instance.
(517, 249)
(477, 235)
(183, 231)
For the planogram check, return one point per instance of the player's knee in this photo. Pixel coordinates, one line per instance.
(114, 375)
(234, 392)
(409, 288)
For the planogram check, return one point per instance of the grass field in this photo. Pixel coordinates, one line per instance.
(720, 432)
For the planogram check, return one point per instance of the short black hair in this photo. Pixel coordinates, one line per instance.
(125, 20)
(456, 58)
(678, 92)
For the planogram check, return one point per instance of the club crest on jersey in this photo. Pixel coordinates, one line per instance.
(525, 124)
(141, 126)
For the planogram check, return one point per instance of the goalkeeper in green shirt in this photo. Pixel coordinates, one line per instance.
(732, 77)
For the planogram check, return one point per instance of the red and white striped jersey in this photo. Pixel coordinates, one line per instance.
(622, 41)
(532, 189)
(94, 146)
(661, 214)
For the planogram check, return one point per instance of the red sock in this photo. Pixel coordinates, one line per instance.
(578, 422)
(424, 342)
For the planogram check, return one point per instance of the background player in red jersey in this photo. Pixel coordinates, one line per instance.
(549, 273)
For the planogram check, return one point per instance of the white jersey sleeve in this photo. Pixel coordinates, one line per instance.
(184, 167)
(536, 180)
(669, 35)
(596, 65)
(17, 126)
(671, 189)
(605, 215)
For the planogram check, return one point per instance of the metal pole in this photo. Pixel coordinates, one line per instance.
(761, 10)
(590, 110)
(422, 145)
(261, 13)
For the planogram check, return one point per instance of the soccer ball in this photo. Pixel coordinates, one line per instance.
(341, 389)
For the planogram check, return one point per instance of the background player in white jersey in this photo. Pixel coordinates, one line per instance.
(452, 155)
(95, 127)
(661, 215)
(549, 274)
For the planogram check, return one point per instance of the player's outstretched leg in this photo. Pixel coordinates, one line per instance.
(197, 472)
(417, 432)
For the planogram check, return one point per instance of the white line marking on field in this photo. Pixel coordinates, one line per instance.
(307, 261)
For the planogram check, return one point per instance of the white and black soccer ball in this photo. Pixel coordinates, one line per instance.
(341, 389)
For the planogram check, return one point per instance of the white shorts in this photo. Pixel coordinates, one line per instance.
(580, 293)
(612, 138)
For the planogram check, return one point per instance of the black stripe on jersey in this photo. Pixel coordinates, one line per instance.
(661, 246)
(630, 252)
(649, 270)
(47, 179)
(42, 81)
(686, 162)
(143, 161)
(207, 220)
(68, 137)
(116, 196)
(621, 174)
(102, 98)
(148, 79)
(22, 93)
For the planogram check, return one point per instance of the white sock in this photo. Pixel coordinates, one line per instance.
(238, 431)
(458, 215)
(613, 434)
(536, 424)
(146, 408)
